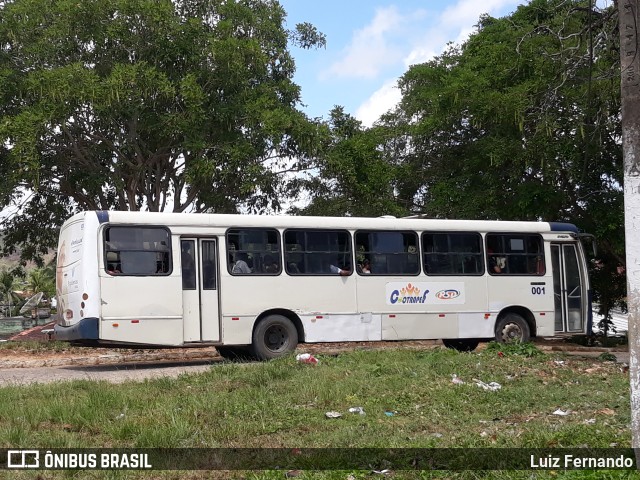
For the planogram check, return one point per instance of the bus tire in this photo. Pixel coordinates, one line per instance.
(461, 344)
(235, 353)
(273, 337)
(512, 328)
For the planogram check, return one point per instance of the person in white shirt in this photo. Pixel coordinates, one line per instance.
(241, 266)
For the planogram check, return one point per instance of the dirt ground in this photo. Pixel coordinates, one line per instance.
(33, 358)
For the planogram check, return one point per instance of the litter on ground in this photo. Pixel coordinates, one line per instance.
(491, 387)
(307, 358)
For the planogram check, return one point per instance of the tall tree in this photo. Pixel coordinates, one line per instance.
(7, 287)
(522, 122)
(354, 175)
(522, 118)
(145, 104)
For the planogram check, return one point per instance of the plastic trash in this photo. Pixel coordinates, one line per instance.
(562, 413)
(389, 413)
(358, 410)
(333, 414)
(307, 358)
(455, 380)
(491, 387)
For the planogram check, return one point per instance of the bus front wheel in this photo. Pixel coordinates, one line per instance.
(512, 328)
(274, 337)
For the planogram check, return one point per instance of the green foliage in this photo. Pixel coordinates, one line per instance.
(607, 357)
(521, 118)
(145, 104)
(8, 284)
(522, 122)
(354, 175)
(42, 280)
(526, 349)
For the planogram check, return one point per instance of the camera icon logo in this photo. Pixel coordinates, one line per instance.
(23, 459)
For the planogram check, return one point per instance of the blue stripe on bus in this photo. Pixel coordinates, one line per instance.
(563, 227)
(103, 216)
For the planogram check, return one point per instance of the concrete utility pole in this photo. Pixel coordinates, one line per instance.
(629, 20)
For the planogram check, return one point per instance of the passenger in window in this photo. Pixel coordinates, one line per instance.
(241, 266)
(270, 265)
(497, 264)
(340, 271)
(113, 269)
(293, 268)
(366, 268)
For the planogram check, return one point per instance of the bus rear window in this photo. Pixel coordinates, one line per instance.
(137, 251)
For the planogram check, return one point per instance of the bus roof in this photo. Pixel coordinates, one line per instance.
(350, 223)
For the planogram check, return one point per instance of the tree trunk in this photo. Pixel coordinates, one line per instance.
(630, 87)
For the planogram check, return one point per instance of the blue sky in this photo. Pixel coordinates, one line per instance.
(371, 43)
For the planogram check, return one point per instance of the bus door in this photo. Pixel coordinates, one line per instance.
(568, 288)
(200, 300)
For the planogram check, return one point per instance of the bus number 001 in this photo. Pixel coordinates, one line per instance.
(537, 290)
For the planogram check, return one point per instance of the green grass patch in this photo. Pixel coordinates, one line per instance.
(409, 399)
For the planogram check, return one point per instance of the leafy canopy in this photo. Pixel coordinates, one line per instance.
(145, 104)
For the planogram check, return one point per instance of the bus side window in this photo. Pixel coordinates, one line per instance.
(522, 254)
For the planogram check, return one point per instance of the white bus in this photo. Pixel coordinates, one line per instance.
(263, 284)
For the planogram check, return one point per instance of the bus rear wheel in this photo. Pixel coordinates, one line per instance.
(512, 328)
(461, 344)
(274, 337)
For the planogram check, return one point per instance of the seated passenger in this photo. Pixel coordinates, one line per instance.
(241, 266)
(497, 264)
(270, 265)
(366, 268)
(292, 267)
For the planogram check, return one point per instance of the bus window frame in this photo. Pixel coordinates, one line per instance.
(508, 255)
(253, 273)
(480, 254)
(350, 240)
(371, 252)
(106, 249)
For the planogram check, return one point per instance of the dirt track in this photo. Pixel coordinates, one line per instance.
(20, 366)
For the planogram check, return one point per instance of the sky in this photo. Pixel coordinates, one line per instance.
(371, 43)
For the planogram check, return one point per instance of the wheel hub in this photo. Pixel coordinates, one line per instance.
(274, 338)
(512, 332)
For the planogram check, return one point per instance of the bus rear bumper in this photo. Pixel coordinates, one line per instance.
(85, 329)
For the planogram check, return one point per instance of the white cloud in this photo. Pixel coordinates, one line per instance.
(370, 49)
(455, 24)
(383, 100)
(466, 13)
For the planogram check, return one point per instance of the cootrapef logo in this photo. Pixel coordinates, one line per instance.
(448, 294)
(408, 294)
